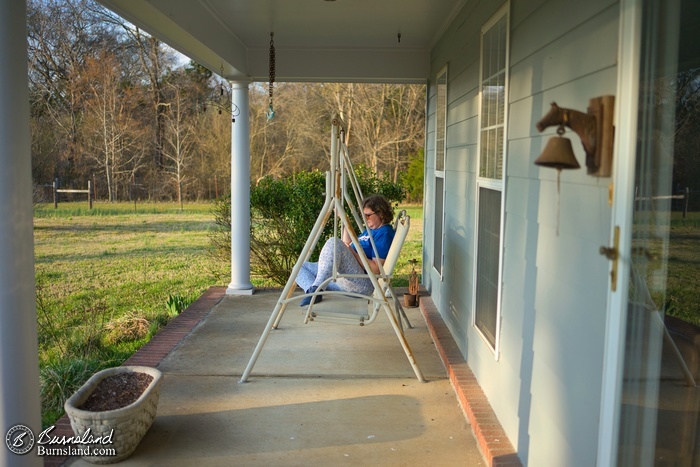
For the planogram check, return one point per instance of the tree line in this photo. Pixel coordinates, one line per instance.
(115, 106)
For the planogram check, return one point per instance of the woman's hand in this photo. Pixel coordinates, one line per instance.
(346, 238)
(373, 266)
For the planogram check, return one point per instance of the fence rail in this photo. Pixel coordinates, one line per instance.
(685, 196)
(56, 191)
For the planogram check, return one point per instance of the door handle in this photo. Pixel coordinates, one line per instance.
(613, 254)
(608, 252)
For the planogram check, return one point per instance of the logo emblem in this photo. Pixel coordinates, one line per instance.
(19, 439)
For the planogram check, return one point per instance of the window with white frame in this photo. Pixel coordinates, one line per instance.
(440, 132)
(492, 122)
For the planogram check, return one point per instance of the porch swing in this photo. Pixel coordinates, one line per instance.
(347, 311)
(344, 306)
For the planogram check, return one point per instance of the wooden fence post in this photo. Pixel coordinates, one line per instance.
(687, 200)
(90, 194)
(55, 194)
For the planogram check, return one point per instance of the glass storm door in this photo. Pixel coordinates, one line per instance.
(659, 401)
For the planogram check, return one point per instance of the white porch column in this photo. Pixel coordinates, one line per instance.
(240, 192)
(19, 361)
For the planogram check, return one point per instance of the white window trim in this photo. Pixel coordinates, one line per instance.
(440, 173)
(492, 184)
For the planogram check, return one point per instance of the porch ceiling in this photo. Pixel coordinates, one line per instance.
(315, 40)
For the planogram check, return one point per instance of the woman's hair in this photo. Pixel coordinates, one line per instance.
(381, 206)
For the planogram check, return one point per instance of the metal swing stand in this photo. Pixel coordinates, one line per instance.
(384, 297)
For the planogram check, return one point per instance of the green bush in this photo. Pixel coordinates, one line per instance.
(370, 183)
(413, 177)
(282, 213)
(220, 235)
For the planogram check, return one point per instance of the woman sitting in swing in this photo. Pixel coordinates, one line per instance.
(378, 214)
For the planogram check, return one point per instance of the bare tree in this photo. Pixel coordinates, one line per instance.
(179, 137)
(339, 98)
(114, 138)
(212, 155)
(384, 126)
(385, 121)
(282, 145)
(61, 37)
(154, 61)
(406, 125)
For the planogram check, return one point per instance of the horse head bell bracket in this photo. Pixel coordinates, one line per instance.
(595, 128)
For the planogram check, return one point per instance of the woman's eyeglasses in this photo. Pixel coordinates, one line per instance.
(369, 214)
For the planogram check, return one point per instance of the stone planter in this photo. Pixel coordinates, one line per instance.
(129, 423)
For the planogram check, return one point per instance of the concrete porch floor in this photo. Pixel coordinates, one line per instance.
(320, 393)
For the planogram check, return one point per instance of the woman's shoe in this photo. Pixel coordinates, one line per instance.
(307, 300)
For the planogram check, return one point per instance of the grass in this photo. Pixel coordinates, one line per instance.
(43, 210)
(109, 278)
(412, 247)
(679, 296)
(683, 275)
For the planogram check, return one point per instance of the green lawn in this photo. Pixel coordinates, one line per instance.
(679, 295)
(412, 247)
(104, 278)
(683, 276)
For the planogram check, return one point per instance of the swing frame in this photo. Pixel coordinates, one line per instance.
(336, 197)
(379, 295)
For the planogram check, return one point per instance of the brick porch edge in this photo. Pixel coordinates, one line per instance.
(155, 350)
(491, 438)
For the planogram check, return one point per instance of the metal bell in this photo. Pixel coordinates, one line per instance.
(558, 154)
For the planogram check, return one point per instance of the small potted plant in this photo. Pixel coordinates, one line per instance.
(115, 407)
(410, 299)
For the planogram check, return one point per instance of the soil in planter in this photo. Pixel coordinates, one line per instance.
(117, 391)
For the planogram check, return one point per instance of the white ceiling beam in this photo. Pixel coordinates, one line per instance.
(196, 30)
(342, 65)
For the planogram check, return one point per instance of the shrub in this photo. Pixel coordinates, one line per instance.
(220, 235)
(413, 177)
(370, 183)
(283, 212)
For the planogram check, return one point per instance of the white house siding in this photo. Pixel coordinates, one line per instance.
(544, 384)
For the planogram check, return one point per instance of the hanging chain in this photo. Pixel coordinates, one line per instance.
(222, 78)
(272, 66)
